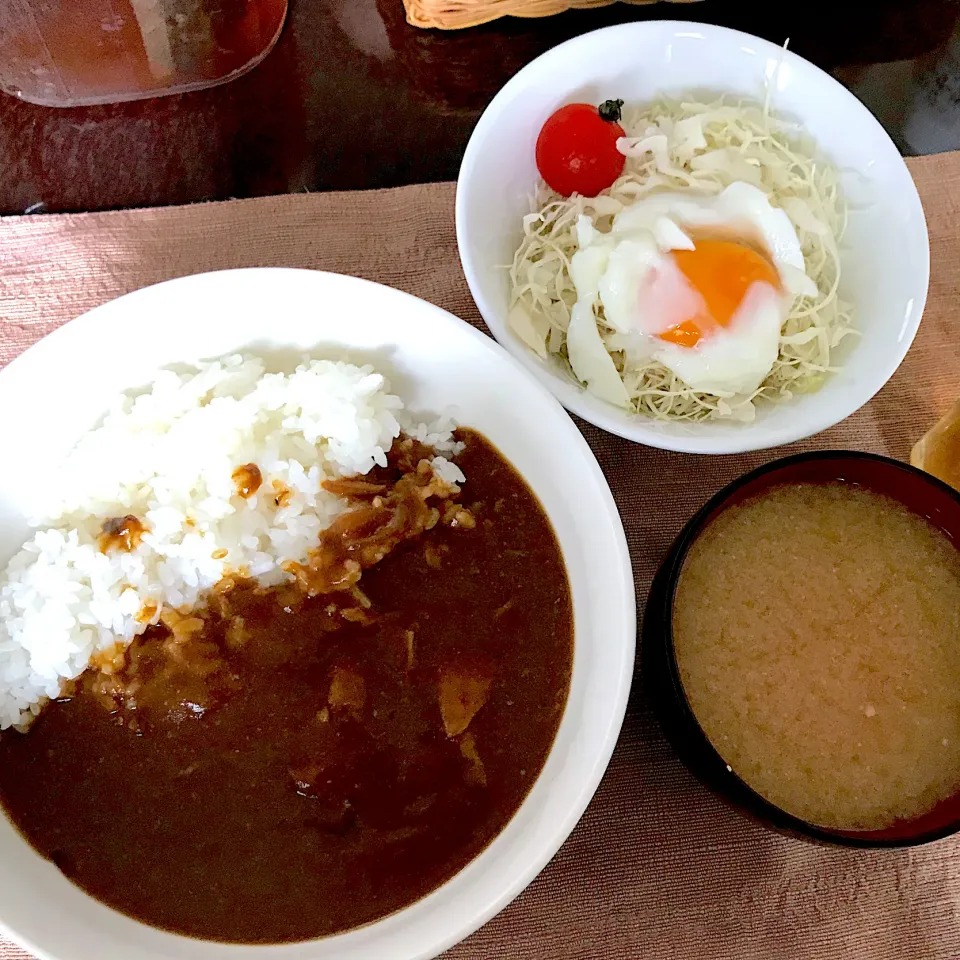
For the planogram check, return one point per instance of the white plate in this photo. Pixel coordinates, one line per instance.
(885, 257)
(60, 387)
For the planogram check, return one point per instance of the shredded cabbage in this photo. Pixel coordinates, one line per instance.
(702, 148)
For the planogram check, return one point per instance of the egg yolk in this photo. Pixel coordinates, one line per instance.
(721, 271)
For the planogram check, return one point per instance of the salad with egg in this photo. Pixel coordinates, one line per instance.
(682, 260)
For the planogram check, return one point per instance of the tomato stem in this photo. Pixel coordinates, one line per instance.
(611, 110)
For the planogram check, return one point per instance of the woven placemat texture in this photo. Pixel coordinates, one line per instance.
(657, 869)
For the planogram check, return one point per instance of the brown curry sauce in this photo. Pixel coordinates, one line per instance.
(290, 766)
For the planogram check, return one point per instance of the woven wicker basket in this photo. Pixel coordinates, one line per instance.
(457, 14)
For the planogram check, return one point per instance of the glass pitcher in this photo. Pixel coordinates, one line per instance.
(67, 53)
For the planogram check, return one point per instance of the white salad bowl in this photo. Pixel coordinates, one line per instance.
(885, 250)
(435, 362)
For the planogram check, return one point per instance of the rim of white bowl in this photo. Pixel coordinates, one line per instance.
(635, 427)
(455, 929)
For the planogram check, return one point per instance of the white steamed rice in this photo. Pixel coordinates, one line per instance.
(167, 456)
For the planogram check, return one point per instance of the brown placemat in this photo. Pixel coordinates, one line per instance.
(657, 869)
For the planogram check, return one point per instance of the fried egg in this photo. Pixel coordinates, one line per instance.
(699, 284)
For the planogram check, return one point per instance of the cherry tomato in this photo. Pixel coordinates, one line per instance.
(577, 148)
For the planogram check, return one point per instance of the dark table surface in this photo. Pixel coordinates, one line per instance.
(353, 97)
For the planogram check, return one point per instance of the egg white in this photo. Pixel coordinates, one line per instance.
(739, 211)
